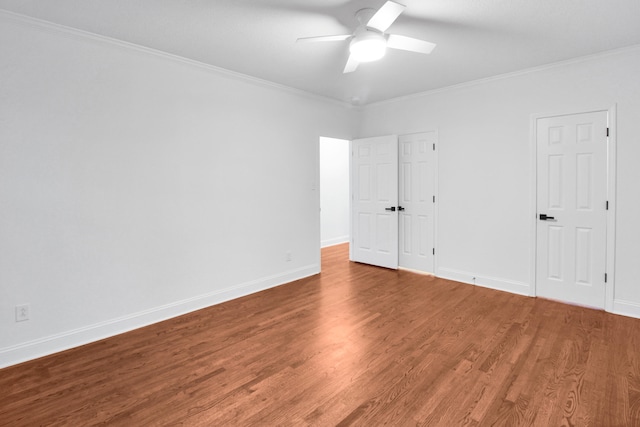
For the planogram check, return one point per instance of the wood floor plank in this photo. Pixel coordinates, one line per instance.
(353, 346)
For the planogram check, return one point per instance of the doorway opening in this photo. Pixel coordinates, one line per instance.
(334, 191)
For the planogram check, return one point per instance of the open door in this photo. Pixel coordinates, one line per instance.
(374, 201)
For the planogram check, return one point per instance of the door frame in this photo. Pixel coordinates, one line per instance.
(611, 198)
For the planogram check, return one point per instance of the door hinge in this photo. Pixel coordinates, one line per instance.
(434, 199)
(434, 251)
(605, 277)
(434, 147)
(607, 131)
(607, 205)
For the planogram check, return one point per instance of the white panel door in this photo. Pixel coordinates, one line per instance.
(416, 201)
(374, 190)
(571, 207)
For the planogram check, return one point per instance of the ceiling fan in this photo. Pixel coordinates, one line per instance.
(369, 42)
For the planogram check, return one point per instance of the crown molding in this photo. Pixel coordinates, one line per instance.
(86, 35)
(526, 71)
(76, 33)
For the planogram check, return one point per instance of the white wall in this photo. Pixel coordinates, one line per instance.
(485, 169)
(135, 186)
(334, 191)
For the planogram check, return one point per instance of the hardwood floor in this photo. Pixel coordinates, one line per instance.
(355, 345)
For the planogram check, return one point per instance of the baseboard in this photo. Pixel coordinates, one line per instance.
(626, 308)
(499, 284)
(335, 241)
(91, 333)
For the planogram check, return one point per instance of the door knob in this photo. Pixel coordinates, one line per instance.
(400, 208)
(545, 217)
(392, 209)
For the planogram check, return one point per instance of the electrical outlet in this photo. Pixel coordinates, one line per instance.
(287, 256)
(22, 312)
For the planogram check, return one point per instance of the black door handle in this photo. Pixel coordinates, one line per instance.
(544, 217)
(392, 209)
(400, 208)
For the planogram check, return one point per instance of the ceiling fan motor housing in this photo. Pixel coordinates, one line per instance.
(364, 15)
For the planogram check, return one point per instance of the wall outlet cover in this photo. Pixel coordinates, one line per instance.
(22, 312)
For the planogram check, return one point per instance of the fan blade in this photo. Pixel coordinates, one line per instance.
(323, 38)
(409, 43)
(385, 16)
(351, 66)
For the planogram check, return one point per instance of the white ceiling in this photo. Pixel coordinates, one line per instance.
(475, 38)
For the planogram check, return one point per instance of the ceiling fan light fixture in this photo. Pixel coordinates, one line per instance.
(368, 47)
(369, 41)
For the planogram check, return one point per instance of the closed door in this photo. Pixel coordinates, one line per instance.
(416, 202)
(374, 194)
(571, 208)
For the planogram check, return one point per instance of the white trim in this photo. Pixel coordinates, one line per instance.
(84, 335)
(533, 205)
(86, 35)
(609, 303)
(626, 308)
(98, 38)
(509, 75)
(334, 241)
(611, 213)
(496, 283)
(318, 187)
(351, 197)
(436, 193)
